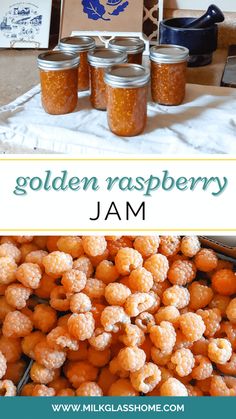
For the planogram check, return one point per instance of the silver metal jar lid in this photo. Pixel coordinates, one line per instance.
(169, 54)
(131, 45)
(127, 76)
(77, 44)
(57, 60)
(104, 57)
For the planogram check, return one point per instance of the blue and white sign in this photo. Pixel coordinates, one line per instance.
(96, 9)
(25, 24)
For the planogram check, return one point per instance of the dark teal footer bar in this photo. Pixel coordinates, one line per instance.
(118, 407)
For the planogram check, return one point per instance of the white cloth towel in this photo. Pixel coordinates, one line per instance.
(204, 123)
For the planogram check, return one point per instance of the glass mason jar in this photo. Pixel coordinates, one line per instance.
(59, 81)
(80, 45)
(127, 89)
(168, 74)
(100, 60)
(133, 46)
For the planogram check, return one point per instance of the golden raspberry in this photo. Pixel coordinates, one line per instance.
(231, 311)
(107, 272)
(132, 336)
(159, 358)
(10, 348)
(157, 302)
(141, 280)
(192, 326)
(81, 354)
(17, 295)
(182, 341)
(16, 325)
(200, 347)
(94, 245)
(40, 390)
(169, 314)
(80, 303)
(219, 350)
(128, 259)
(131, 358)
(7, 388)
(8, 269)
(74, 281)
(41, 242)
(203, 368)
(80, 372)
(116, 294)
(112, 317)
(183, 361)
(27, 390)
(122, 388)
(193, 391)
(114, 245)
(48, 357)
(200, 295)
(59, 299)
(100, 340)
(147, 245)
(176, 296)
(221, 302)
(29, 342)
(51, 243)
(147, 378)
(206, 260)
(3, 365)
(116, 369)
(182, 272)
(44, 318)
(29, 274)
(27, 248)
(36, 257)
(106, 379)
(71, 245)
(89, 388)
(94, 288)
(99, 358)
(11, 251)
(47, 283)
(224, 282)
(57, 263)
(23, 239)
(138, 302)
(40, 374)
(212, 319)
(158, 265)
(169, 245)
(229, 367)
(81, 326)
(173, 387)
(163, 337)
(15, 371)
(190, 246)
(59, 338)
(65, 392)
(219, 387)
(145, 321)
(84, 265)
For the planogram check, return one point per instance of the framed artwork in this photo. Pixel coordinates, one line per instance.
(25, 24)
(110, 17)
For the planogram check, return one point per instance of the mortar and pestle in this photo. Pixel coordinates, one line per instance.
(200, 35)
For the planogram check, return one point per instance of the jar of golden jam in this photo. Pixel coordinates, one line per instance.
(80, 45)
(100, 60)
(59, 81)
(127, 89)
(133, 46)
(168, 74)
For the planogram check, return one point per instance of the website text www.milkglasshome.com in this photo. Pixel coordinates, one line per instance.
(123, 408)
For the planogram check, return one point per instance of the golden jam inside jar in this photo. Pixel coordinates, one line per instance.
(168, 82)
(80, 45)
(98, 96)
(135, 58)
(100, 60)
(59, 81)
(127, 91)
(168, 74)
